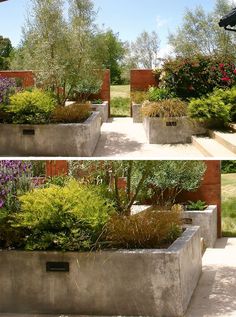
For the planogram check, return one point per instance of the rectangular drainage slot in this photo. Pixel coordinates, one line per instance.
(28, 132)
(57, 267)
(171, 124)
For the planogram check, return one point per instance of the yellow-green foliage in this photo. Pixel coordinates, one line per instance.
(139, 97)
(70, 217)
(31, 106)
(72, 114)
(152, 229)
(165, 108)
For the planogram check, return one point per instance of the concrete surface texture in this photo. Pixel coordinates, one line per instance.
(155, 282)
(215, 295)
(136, 113)
(122, 138)
(51, 139)
(207, 220)
(103, 109)
(167, 131)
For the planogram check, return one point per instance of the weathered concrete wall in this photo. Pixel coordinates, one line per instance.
(207, 221)
(122, 283)
(167, 131)
(51, 139)
(136, 113)
(103, 109)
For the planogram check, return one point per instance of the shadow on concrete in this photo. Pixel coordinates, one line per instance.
(114, 143)
(222, 243)
(215, 294)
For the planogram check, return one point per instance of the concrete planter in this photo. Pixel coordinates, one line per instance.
(167, 130)
(207, 221)
(103, 110)
(109, 283)
(136, 112)
(75, 139)
(171, 130)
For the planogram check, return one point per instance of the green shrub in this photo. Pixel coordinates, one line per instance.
(197, 205)
(32, 107)
(64, 218)
(152, 229)
(228, 167)
(165, 108)
(75, 113)
(169, 179)
(120, 107)
(157, 94)
(139, 97)
(211, 110)
(198, 76)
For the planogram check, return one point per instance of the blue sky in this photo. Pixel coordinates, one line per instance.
(127, 17)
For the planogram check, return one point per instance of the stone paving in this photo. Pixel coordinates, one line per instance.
(215, 295)
(122, 138)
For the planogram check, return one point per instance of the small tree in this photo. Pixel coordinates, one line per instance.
(200, 33)
(59, 49)
(145, 49)
(162, 181)
(5, 53)
(170, 179)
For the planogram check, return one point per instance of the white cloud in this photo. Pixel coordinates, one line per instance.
(165, 51)
(161, 22)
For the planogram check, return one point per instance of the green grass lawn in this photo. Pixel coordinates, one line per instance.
(229, 205)
(120, 101)
(120, 91)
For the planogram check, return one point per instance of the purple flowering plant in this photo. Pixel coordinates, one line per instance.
(15, 178)
(7, 87)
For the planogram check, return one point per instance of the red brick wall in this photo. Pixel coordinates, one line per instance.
(141, 79)
(210, 190)
(56, 168)
(27, 77)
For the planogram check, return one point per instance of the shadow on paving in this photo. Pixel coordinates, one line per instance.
(114, 143)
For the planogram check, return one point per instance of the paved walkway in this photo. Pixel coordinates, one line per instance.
(215, 295)
(122, 137)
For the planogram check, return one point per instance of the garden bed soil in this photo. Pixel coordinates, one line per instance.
(156, 282)
(74, 139)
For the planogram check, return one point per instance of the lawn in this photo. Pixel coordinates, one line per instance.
(120, 101)
(229, 204)
(120, 91)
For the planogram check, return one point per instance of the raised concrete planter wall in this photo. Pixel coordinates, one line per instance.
(78, 139)
(171, 130)
(120, 283)
(207, 220)
(136, 111)
(167, 131)
(103, 110)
